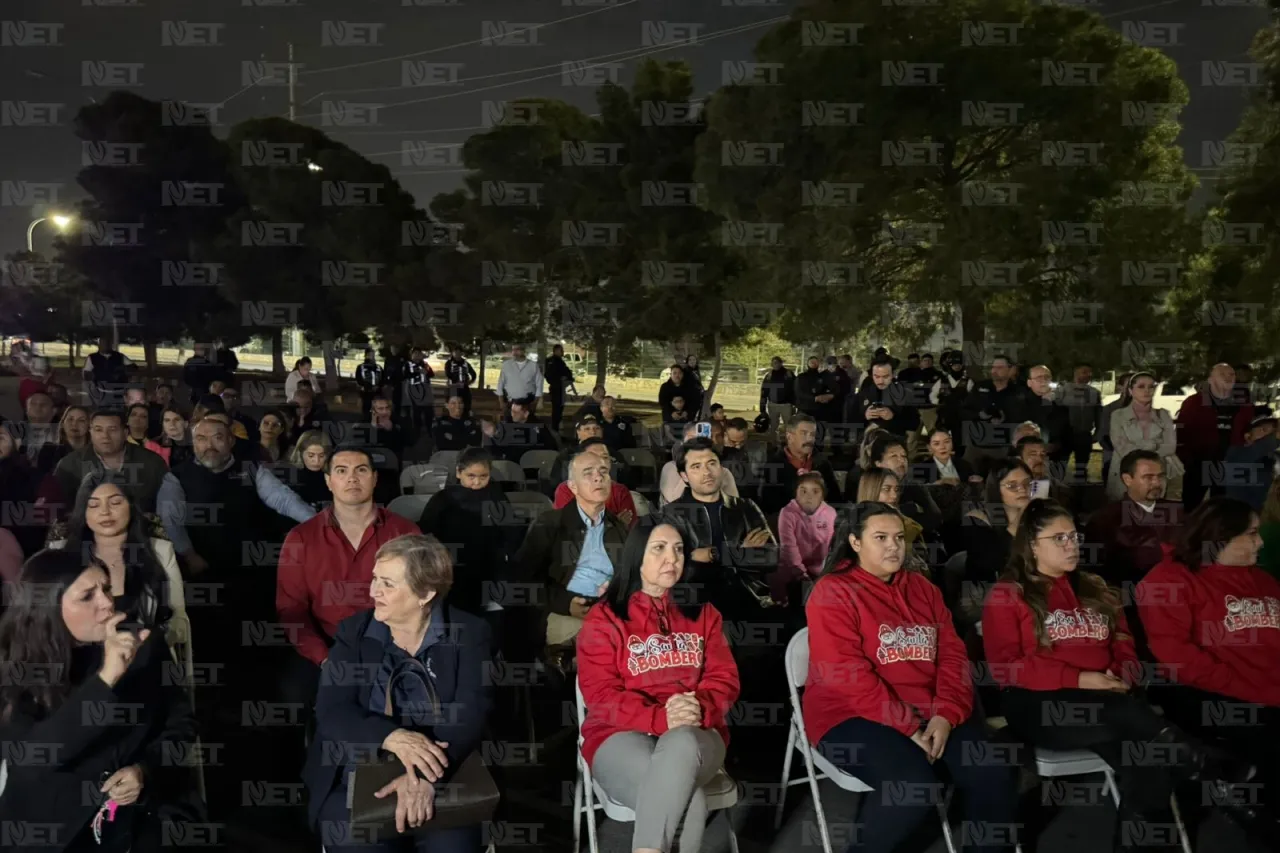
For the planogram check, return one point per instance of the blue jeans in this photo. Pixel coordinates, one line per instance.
(908, 788)
(337, 836)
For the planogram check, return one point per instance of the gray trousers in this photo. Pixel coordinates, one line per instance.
(661, 779)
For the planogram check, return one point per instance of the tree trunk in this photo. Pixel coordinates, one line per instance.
(973, 336)
(277, 349)
(602, 360)
(149, 354)
(330, 366)
(715, 380)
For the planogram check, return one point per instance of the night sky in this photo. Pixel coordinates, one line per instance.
(117, 31)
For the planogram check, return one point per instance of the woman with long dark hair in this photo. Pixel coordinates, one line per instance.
(1213, 618)
(106, 527)
(19, 489)
(1057, 642)
(889, 693)
(137, 421)
(274, 436)
(105, 712)
(658, 678)
(1139, 425)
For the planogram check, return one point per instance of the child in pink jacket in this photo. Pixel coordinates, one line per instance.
(804, 534)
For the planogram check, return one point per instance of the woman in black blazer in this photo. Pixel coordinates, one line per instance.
(102, 733)
(433, 661)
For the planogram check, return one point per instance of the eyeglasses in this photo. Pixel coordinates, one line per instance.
(1065, 539)
(1017, 486)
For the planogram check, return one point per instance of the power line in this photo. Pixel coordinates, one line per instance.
(641, 52)
(429, 51)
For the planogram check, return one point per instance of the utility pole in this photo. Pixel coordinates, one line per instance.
(293, 84)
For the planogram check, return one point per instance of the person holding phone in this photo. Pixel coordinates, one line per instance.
(112, 722)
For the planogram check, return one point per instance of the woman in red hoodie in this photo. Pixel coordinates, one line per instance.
(1216, 626)
(1057, 642)
(658, 678)
(889, 692)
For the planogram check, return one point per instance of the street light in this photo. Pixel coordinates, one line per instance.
(60, 221)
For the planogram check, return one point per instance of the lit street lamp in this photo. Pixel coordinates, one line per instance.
(59, 220)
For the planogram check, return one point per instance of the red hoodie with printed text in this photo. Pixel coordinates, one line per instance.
(628, 670)
(884, 651)
(1217, 628)
(1080, 640)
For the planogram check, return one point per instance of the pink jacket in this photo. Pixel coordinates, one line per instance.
(804, 540)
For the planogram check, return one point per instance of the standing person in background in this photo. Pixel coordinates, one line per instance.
(519, 379)
(950, 395)
(418, 392)
(226, 361)
(394, 371)
(778, 395)
(559, 379)
(1139, 425)
(815, 391)
(1048, 414)
(678, 385)
(106, 372)
(1211, 420)
(369, 377)
(460, 376)
(1084, 411)
(301, 375)
(886, 403)
(693, 375)
(199, 371)
(1104, 423)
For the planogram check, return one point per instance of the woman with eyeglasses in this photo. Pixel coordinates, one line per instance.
(987, 531)
(657, 678)
(889, 698)
(1057, 642)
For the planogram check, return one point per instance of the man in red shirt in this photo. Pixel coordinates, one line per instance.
(326, 566)
(620, 502)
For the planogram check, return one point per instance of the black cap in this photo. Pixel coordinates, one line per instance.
(586, 419)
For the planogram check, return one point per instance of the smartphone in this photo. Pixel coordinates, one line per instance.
(703, 430)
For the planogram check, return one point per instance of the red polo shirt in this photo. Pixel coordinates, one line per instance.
(322, 580)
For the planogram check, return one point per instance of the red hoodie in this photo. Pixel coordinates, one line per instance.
(1079, 640)
(628, 670)
(884, 651)
(1218, 629)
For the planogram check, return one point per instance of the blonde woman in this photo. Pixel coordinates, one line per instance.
(306, 474)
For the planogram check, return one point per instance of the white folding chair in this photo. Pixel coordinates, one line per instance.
(817, 767)
(446, 459)
(409, 506)
(1055, 763)
(721, 793)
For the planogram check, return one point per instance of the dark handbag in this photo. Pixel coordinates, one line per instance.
(469, 798)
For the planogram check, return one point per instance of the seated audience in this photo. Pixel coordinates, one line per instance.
(20, 490)
(106, 527)
(309, 412)
(1034, 453)
(620, 502)
(61, 618)
(476, 519)
(518, 433)
(676, 414)
(889, 452)
(326, 565)
(426, 701)
(273, 437)
(805, 527)
(1212, 618)
(1131, 531)
(573, 550)
(173, 444)
(1057, 641)
(308, 458)
(137, 421)
(387, 431)
(619, 430)
(671, 485)
(73, 434)
(1137, 424)
(593, 405)
(1251, 466)
(456, 430)
(655, 733)
(796, 457)
(143, 470)
(889, 693)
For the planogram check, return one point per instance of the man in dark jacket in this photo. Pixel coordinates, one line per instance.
(1250, 467)
(143, 470)
(572, 551)
(369, 378)
(518, 433)
(199, 371)
(993, 410)
(455, 430)
(1210, 421)
(559, 379)
(884, 402)
(778, 395)
(679, 385)
(460, 376)
(817, 395)
(778, 474)
(1052, 416)
(395, 369)
(734, 549)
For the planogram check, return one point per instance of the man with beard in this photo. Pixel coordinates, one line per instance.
(456, 430)
(885, 403)
(796, 457)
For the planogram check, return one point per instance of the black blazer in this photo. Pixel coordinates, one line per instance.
(347, 731)
(145, 719)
